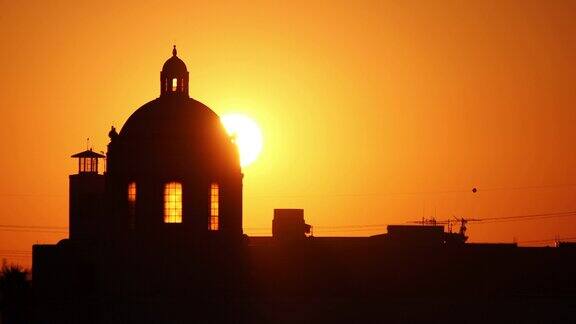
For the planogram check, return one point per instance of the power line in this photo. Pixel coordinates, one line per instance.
(30, 195)
(32, 231)
(14, 257)
(349, 194)
(345, 230)
(33, 226)
(365, 194)
(15, 251)
(487, 220)
(525, 219)
(556, 214)
(338, 228)
(423, 192)
(530, 187)
(550, 240)
(351, 226)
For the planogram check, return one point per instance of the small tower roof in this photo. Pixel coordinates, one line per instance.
(88, 154)
(174, 66)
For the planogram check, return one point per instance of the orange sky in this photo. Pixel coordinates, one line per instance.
(369, 110)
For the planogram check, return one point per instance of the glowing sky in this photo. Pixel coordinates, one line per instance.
(372, 112)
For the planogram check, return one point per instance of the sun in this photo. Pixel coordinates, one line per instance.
(246, 134)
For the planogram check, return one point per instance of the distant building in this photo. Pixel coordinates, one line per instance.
(289, 224)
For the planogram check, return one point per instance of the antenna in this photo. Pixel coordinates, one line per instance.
(87, 143)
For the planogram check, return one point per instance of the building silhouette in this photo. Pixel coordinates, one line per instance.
(158, 238)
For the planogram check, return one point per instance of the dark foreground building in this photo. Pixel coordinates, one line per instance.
(158, 238)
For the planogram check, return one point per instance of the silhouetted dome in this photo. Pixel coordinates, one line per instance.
(177, 132)
(174, 65)
(175, 118)
(168, 167)
(173, 134)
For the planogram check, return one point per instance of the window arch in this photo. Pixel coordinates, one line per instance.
(173, 202)
(214, 219)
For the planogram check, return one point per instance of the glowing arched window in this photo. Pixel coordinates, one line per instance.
(174, 85)
(132, 203)
(213, 221)
(173, 202)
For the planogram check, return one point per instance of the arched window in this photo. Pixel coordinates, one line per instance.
(174, 84)
(213, 220)
(132, 204)
(173, 202)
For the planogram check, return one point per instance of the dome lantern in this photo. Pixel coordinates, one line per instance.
(174, 76)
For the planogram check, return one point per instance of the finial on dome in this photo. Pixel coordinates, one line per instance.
(174, 52)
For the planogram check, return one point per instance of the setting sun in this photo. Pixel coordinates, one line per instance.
(246, 134)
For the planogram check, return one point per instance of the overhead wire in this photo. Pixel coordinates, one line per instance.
(559, 239)
(33, 226)
(422, 192)
(32, 231)
(339, 228)
(486, 220)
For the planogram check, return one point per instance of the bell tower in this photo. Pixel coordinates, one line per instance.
(174, 77)
(86, 197)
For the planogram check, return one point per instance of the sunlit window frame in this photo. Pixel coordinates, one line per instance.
(214, 218)
(173, 202)
(88, 164)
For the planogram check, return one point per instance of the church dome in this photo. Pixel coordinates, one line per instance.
(175, 133)
(170, 119)
(171, 163)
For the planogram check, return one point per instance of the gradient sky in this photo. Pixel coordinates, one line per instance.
(372, 112)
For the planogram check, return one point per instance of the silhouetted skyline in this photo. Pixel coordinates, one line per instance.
(372, 112)
(158, 236)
